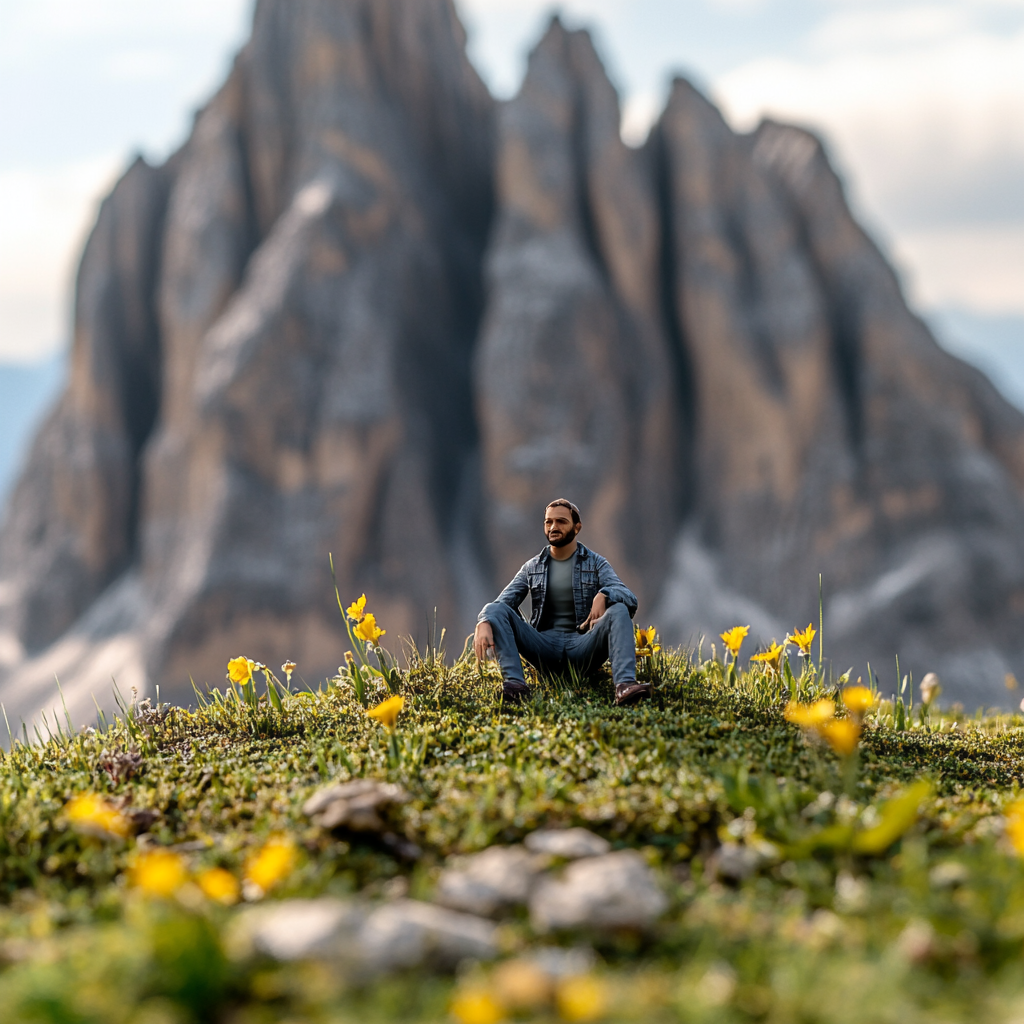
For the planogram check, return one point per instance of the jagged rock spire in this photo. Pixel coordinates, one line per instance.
(367, 311)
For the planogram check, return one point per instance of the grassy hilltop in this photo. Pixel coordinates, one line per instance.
(879, 883)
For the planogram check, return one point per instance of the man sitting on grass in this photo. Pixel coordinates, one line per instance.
(581, 614)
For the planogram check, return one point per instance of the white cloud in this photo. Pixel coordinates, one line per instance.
(923, 102)
(639, 112)
(980, 268)
(929, 128)
(106, 19)
(141, 65)
(46, 215)
(888, 28)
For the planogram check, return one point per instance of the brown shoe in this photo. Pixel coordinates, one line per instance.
(513, 693)
(631, 693)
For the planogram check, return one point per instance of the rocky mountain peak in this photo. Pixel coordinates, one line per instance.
(366, 311)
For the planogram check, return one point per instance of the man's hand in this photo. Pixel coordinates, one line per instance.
(597, 609)
(483, 640)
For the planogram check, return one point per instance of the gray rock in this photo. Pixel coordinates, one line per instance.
(569, 843)
(355, 805)
(559, 962)
(408, 933)
(321, 928)
(487, 882)
(365, 940)
(734, 862)
(617, 890)
(272, 351)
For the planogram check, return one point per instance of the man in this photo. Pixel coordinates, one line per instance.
(581, 615)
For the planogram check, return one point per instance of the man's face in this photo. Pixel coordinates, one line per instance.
(558, 526)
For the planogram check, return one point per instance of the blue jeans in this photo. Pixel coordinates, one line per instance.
(554, 651)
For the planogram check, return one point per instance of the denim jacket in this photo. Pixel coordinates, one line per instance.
(591, 575)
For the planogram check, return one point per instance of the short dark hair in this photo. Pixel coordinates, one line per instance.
(566, 503)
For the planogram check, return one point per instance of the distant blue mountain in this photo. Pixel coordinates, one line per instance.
(26, 392)
(995, 344)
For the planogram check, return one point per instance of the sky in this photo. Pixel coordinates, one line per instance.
(921, 105)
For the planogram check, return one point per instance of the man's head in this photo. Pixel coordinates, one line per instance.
(561, 522)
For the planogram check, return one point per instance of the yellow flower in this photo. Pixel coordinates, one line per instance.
(582, 998)
(240, 670)
(367, 629)
(810, 716)
(357, 609)
(858, 700)
(159, 873)
(1015, 825)
(91, 815)
(733, 639)
(272, 864)
(477, 1006)
(841, 734)
(645, 645)
(387, 712)
(521, 985)
(288, 668)
(773, 656)
(804, 639)
(219, 885)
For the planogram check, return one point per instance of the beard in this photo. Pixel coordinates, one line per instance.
(563, 541)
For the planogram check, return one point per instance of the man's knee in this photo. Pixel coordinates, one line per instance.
(616, 614)
(496, 611)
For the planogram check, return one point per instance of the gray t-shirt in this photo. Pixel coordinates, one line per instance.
(559, 606)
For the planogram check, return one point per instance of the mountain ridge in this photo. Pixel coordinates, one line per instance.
(367, 311)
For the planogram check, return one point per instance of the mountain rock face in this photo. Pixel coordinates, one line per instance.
(367, 311)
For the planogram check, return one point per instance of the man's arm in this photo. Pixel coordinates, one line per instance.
(613, 588)
(613, 591)
(513, 595)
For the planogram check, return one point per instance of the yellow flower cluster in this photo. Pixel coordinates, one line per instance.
(1015, 825)
(240, 670)
(772, 658)
(163, 873)
(803, 639)
(387, 711)
(159, 873)
(366, 627)
(733, 639)
(841, 734)
(91, 815)
(271, 865)
(520, 987)
(646, 645)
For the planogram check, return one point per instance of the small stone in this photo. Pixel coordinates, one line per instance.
(410, 933)
(557, 962)
(484, 883)
(617, 890)
(355, 805)
(570, 843)
(365, 940)
(303, 929)
(733, 862)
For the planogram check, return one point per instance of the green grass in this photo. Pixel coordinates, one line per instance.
(928, 926)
